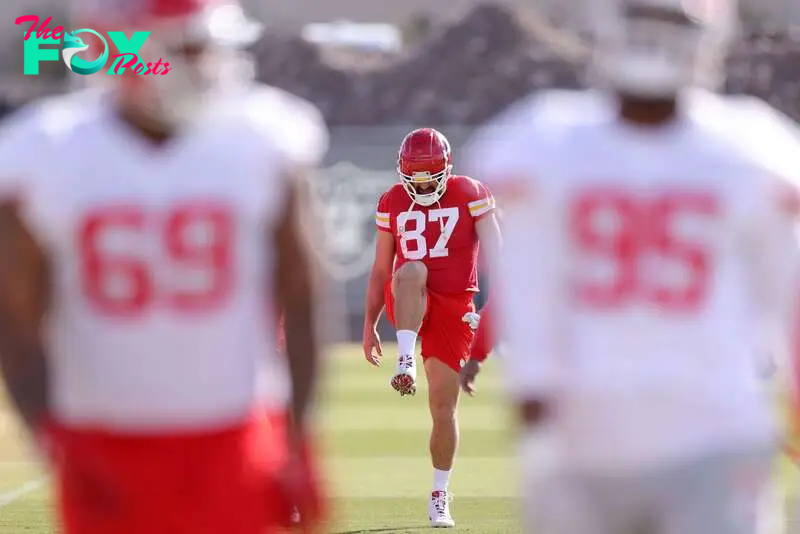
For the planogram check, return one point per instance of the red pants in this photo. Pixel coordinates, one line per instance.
(209, 483)
(444, 335)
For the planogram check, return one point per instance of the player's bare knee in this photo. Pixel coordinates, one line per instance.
(411, 276)
(443, 411)
(443, 403)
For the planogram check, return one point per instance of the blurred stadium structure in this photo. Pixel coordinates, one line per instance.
(459, 64)
(299, 12)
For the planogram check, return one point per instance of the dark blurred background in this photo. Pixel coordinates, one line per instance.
(378, 69)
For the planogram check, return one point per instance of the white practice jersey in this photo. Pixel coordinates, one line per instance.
(644, 272)
(162, 316)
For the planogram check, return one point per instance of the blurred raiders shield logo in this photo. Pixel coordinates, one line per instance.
(347, 196)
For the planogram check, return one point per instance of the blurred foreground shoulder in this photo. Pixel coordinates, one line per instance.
(21, 136)
(769, 140)
(28, 134)
(508, 149)
(761, 131)
(32, 125)
(292, 125)
(543, 109)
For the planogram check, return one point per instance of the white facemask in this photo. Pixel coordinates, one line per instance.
(650, 59)
(656, 57)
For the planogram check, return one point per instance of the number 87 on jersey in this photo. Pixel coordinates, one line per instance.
(442, 235)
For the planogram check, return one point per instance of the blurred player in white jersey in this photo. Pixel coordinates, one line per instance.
(152, 225)
(649, 257)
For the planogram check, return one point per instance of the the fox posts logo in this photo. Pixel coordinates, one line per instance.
(73, 44)
(127, 56)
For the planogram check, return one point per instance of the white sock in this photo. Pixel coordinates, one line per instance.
(440, 480)
(406, 341)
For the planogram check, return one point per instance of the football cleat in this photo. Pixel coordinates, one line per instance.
(439, 510)
(404, 380)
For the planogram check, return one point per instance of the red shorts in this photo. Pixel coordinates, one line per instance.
(445, 336)
(181, 484)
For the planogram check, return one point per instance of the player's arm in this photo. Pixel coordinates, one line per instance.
(24, 300)
(490, 238)
(296, 283)
(379, 276)
(526, 274)
(775, 273)
(488, 230)
(489, 235)
(24, 275)
(483, 211)
(526, 281)
(298, 141)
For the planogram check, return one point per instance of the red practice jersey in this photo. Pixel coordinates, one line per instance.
(442, 236)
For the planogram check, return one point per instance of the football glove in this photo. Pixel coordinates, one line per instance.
(472, 319)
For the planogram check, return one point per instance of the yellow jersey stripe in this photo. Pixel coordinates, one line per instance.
(477, 203)
(477, 212)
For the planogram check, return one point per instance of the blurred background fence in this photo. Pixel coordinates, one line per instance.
(378, 69)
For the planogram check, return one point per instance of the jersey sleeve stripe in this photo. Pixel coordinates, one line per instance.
(480, 201)
(484, 207)
(382, 220)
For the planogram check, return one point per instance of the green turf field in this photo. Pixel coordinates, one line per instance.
(377, 459)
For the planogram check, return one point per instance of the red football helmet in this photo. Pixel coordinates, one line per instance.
(424, 164)
(200, 39)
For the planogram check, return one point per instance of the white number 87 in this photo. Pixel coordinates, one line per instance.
(448, 218)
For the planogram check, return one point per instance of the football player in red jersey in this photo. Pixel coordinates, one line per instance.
(430, 225)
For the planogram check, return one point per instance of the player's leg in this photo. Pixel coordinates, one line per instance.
(235, 479)
(561, 503)
(721, 493)
(107, 483)
(445, 346)
(409, 296)
(443, 393)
